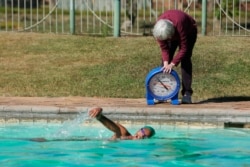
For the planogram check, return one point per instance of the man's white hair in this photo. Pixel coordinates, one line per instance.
(163, 29)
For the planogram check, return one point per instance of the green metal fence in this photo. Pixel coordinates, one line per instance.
(120, 17)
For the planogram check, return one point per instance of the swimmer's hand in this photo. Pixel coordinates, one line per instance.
(96, 113)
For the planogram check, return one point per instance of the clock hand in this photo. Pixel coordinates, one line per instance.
(162, 84)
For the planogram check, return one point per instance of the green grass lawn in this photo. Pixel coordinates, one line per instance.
(65, 65)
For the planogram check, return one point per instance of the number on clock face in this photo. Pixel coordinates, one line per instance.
(162, 84)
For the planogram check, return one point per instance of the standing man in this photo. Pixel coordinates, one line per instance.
(173, 29)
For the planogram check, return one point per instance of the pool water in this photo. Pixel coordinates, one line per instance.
(86, 144)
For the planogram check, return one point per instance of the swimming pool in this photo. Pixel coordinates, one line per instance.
(86, 144)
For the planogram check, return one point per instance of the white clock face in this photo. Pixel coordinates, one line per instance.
(162, 84)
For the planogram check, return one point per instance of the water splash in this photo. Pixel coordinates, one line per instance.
(68, 128)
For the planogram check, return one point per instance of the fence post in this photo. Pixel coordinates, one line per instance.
(72, 16)
(117, 16)
(176, 4)
(204, 17)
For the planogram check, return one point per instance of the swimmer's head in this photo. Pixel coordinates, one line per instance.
(145, 132)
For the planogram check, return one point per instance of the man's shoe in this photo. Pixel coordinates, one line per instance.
(186, 99)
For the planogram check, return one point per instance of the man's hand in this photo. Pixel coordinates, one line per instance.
(95, 113)
(167, 67)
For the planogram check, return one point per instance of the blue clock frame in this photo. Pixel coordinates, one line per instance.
(150, 96)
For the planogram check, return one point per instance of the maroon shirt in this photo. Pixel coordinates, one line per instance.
(185, 27)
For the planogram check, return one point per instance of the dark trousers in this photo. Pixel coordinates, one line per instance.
(186, 64)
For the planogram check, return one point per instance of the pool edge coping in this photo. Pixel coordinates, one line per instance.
(210, 116)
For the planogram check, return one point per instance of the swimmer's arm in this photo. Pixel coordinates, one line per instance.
(118, 129)
(110, 125)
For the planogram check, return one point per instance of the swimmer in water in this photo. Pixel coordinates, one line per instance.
(120, 132)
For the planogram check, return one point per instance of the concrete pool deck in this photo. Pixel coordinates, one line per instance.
(220, 113)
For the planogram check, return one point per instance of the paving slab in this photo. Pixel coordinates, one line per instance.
(73, 102)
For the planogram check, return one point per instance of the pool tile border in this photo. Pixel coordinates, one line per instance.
(188, 116)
